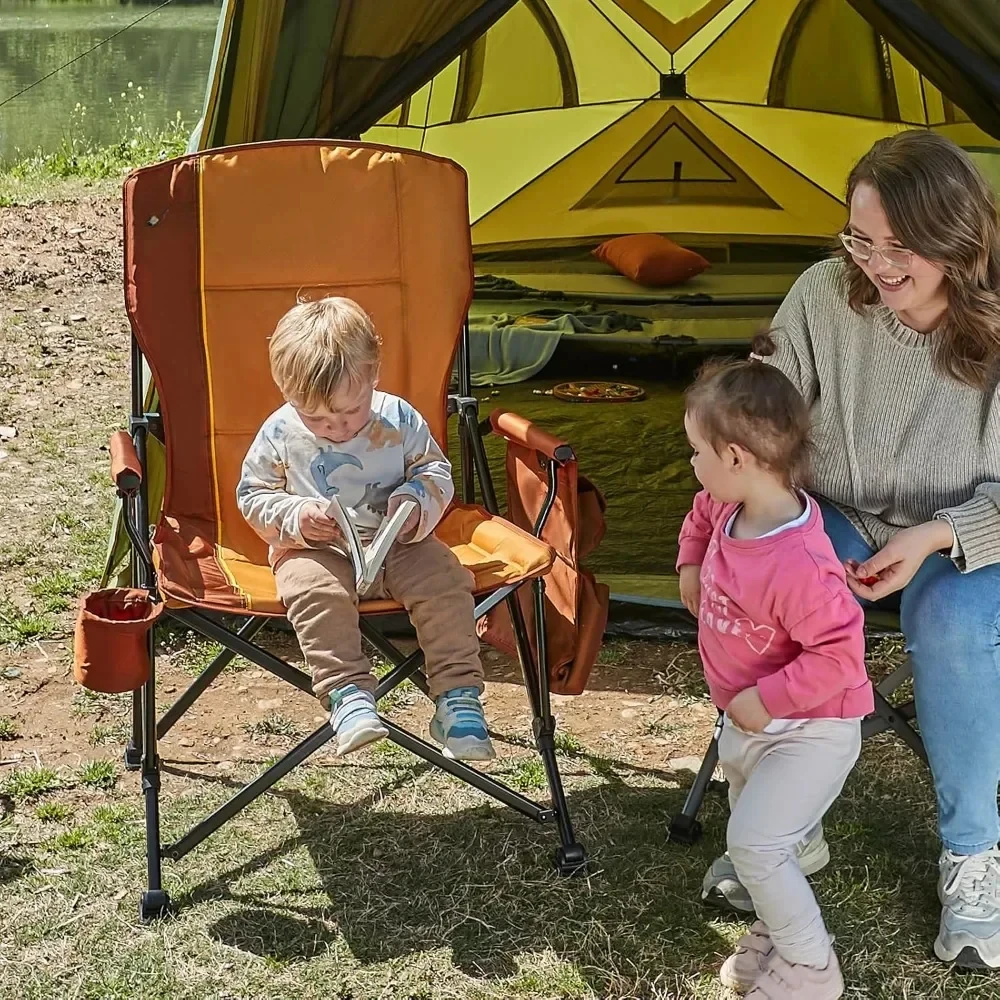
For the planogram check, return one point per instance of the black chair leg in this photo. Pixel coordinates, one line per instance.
(133, 750)
(685, 828)
(154, 902)
(570, 856)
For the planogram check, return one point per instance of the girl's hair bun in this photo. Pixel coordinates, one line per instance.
(763, 345)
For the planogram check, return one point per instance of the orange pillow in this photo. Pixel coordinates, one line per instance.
(651, 259)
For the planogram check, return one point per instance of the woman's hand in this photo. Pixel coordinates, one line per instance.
(315, 527)
(894, 566)
(691, 588)
(748, 712)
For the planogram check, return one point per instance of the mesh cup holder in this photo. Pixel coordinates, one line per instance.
(110, 648)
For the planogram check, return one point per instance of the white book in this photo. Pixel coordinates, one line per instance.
(368, 559)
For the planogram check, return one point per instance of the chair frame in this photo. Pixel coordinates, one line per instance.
(142, 754)
(685, 827)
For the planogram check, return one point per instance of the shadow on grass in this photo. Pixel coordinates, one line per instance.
(480, 882)
(13, 867)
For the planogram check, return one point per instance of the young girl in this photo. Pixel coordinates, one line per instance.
(781, 638)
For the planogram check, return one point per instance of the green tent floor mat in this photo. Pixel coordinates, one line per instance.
(639, 457)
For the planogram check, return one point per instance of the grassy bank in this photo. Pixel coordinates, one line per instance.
(79, 164)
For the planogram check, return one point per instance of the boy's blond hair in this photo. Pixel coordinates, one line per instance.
(320, 347)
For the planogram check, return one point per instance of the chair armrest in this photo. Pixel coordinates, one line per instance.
(126, 470)
(522, 431)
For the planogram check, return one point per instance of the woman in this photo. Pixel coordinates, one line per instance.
(896, 346)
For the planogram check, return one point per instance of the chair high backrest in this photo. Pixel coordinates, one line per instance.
(218, 245)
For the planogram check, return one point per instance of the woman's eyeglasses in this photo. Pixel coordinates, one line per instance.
(863, 250)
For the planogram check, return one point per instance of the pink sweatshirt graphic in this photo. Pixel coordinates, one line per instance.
(776, 612)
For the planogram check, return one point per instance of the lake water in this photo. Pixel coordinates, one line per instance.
(167, 54)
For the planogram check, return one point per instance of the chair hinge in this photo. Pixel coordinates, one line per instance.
(463, 404)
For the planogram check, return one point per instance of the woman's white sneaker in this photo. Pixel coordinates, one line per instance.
(969, 890)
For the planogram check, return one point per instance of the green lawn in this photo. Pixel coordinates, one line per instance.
(380, 878)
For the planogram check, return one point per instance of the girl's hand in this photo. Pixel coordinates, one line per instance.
(748, 711)
(315, 527)
(894, 566)
(691, 588)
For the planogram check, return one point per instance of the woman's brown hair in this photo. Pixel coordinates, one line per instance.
(757, 407)
(942, 208)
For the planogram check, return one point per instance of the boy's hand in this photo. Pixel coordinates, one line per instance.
(748, 711)
(412, 521)
(691, 588)
(315, 527)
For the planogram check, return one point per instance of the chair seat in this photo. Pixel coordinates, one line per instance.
(193, 571)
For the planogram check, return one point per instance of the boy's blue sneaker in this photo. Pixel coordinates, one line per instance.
(354, 719)
(460, 726)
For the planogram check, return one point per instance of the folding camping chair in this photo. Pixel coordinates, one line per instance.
(218, 245)
(685, 827)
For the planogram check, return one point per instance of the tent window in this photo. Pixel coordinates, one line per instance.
(832, 60)
(398, 116)
(521, 64)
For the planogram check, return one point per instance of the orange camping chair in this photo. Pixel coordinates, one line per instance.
(218, 245)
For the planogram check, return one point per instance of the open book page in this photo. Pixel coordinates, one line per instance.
(379, 547)
(342, 515)
(368, 561)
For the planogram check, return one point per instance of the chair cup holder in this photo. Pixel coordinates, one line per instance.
(110, 644)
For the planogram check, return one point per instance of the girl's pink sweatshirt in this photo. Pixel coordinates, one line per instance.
(776, 612)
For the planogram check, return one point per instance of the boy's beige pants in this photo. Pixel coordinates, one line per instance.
(317, 588)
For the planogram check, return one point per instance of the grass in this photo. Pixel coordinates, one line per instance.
(29, 783)
(567, 743)
(57, 590)
(9, 729)
(189, 650)
(527, 775)
(354, 881)
(273, 725)
(53, 593)
(100, 774)
(86, 703)
(15, 556)
(72, 840)
(109, 734)
(614, 652)
(18, 626)
(53, 812)
(400, 696)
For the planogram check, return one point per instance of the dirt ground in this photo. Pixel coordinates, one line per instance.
(63, 389)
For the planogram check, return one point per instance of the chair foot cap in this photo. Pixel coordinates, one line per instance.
(571, 860)
(685, 830)
(154, 904)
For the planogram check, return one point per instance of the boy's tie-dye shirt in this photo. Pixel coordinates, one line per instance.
(288, 466)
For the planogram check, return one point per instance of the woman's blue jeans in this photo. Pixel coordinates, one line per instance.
(951, 621)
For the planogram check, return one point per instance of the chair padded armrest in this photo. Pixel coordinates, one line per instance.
(522, 431)
(126, 470)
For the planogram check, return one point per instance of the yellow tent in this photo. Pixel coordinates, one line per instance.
(713, 120)
(730, 125)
